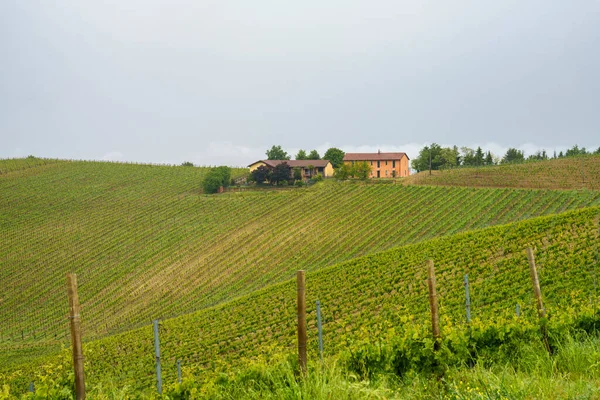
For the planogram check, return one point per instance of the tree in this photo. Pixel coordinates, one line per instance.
(298, 174)
(301, 155)
(261, 174)
(277, 153)
(468, 158)
(489, 159)
(361, 170)
(576, 151)
(187, 164)
(440, 157)
(479, 156)
(342, 172)
(281, 172)
(215, 178)
(314, 155)
(597, 151)
(513, 156)
(335, 156)
(447, 158)
(538, 156)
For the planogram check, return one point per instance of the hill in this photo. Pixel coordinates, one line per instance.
(381, 297)
(561, 173)
(147, 244)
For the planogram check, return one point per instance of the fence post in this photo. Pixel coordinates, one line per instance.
(320, 327)
(31, 387)
(76, 347)
(468, 299)
(538, 297)
(179, 371)
(300, 282)
(536, 284)
(157, 353)
(433, 304)
(518, 310)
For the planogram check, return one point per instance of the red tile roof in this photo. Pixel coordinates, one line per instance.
(373, 156)
(296, 163)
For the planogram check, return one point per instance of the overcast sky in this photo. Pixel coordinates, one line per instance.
(219, 82)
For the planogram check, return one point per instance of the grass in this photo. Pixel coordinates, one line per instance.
(573, 372)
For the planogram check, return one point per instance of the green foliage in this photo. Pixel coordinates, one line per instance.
(261, 174)
(314, 155)
(576, 151)
(277, 153)
(440, 157)
(361, 170)
(513, 156)
(298, 174)
(301, 155)
(281, 173)
(215, 178)
(538, 156)
(335, 156)
(187, 164)
(343, 172)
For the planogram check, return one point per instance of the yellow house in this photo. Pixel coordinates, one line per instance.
(309, 168)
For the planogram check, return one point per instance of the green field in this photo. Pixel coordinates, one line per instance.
(146, 243)
(581, 172)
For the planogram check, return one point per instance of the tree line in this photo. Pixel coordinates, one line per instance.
(333, 155)
(436, 157)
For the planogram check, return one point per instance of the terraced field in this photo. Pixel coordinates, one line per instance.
(147, 244)
(561, 173)
(374, 298)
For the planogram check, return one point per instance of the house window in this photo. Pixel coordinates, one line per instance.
(378, 164)
(394, 164)
(371, 162)
(386, 172)
(385, 162)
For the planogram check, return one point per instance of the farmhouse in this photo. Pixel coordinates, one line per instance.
(383, 165)
(309, 168)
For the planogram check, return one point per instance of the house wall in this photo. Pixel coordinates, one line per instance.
(386, 167)
(328, 171)
(256, 165)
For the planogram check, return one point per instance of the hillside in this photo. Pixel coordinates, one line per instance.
(147, 244)
(370, 298)
(561, 173)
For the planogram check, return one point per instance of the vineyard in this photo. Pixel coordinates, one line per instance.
(562, 173)
(378, 298)
(147, 244)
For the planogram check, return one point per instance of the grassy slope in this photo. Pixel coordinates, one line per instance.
(363, 298)
(146, 244)
(562, 173)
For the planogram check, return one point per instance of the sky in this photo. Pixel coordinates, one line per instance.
(218, 82)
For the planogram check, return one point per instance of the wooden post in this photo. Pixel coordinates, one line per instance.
(433, 303)
(300, 281)
(536, 284)
(157, 355)
(538, 297)
(76, 347)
